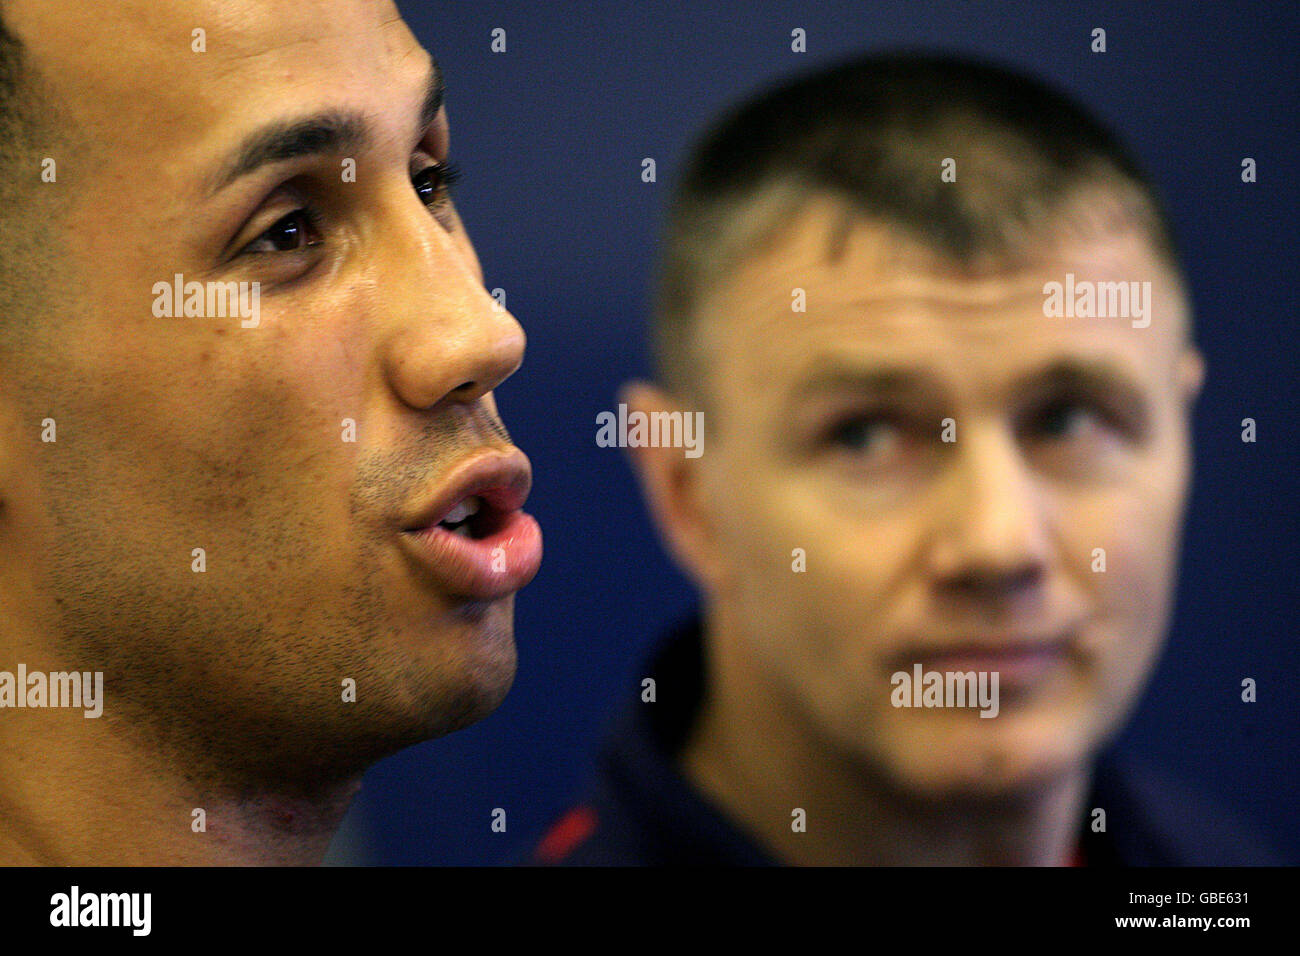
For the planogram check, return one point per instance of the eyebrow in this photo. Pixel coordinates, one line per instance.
(839, 377)
(1096, 376)
(316, 135)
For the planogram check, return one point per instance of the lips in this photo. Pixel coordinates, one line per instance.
(1020, 662)
(472, 536)
(1019, 667)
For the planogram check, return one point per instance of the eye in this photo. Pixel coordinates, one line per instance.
(433, 183)
(867, 435)
(1078, 439)
(290, 233)
(1067, 420)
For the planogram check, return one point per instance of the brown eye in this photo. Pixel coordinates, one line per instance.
(866, 435)
(1069, 421)
(289, 234)
(433, 183)
(1062, 420)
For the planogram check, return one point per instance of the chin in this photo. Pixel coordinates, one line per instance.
(410, 715)
(439, 677)
(483, 689)
(965, 761)
(483, 660)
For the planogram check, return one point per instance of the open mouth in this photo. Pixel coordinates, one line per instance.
(475, 517)
(472, 518)
(483, 545)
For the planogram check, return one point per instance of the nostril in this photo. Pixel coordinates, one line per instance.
(997, 581)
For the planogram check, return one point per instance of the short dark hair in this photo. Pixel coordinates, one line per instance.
(874, 132)
(10, 58)
(13, 111)
(28, 213)
(13, 145)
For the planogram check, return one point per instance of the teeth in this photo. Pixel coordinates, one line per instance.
(466, 509)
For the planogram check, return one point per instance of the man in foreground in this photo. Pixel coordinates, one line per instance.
(936, 324)
(260, 523)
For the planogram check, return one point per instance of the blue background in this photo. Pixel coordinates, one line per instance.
(551, 135)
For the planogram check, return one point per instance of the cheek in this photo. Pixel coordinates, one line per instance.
(1130, 600)
(290, 384)
(803, 568)
(183, 432)
(757, 538)
(1131, 531)
(246, 439)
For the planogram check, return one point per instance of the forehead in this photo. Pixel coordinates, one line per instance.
(132, 73)
(873, 297)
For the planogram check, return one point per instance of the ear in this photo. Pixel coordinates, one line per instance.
(1190, 374)
(672, 485)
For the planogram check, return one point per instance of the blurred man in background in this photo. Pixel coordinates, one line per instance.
(934, 317)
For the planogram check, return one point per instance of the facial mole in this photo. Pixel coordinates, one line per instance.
(284, 817)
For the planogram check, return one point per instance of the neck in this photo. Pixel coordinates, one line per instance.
(82, 792)
(755, 754)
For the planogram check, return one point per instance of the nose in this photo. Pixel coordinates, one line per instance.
(992, 538)
(450, 341)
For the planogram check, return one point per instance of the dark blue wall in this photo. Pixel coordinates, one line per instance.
(551, 135)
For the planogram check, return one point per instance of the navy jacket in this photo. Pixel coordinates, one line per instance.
(639, 810)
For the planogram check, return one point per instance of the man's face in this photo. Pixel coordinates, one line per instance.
(983, 553)
(303, 451)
